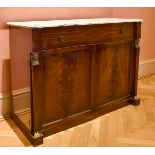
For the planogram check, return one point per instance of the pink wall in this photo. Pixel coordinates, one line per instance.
(148, 28)
(22, 14)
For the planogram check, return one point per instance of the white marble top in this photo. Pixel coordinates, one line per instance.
(58, 23)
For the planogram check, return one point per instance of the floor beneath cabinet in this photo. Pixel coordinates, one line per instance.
(129, 126)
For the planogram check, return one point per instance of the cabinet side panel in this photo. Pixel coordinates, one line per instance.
(20, 47)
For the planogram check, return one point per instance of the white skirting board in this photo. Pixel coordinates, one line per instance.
(146, 67)
(22, 96)
(21, 99)
(5, 106)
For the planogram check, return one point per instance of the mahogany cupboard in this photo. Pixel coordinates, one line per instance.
(67, 72)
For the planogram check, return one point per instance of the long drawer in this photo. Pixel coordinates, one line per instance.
(75, 35)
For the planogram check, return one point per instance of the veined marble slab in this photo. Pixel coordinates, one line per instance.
(58, 23)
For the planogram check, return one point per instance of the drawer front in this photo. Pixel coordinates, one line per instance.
(66, 36)
(122, 31)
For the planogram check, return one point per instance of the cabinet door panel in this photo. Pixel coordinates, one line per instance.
(112, 72)
(65, 84)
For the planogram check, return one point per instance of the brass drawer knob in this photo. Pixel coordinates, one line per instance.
(122, 31)
(61, 38)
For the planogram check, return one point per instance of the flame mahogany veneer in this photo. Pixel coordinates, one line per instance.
(76, 72)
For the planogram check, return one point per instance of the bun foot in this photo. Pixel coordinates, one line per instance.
(134, 101)
(37, 139)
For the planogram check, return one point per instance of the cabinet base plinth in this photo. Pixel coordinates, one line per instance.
(36, 139)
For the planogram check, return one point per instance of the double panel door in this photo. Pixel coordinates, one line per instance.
(74, 80)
